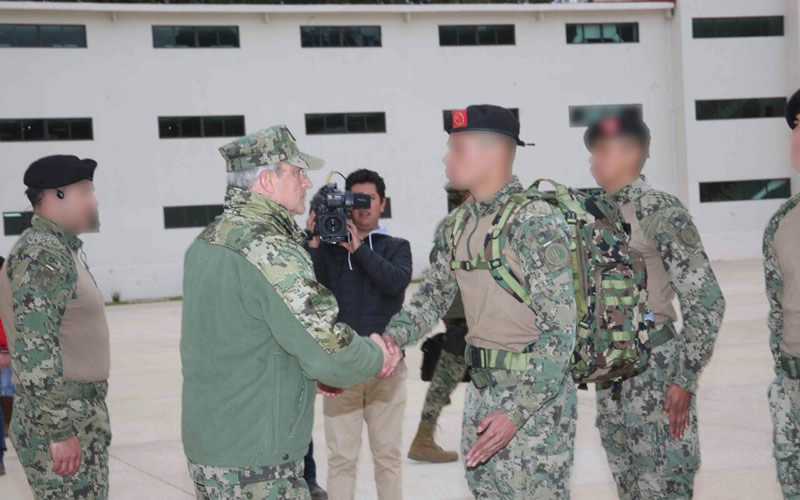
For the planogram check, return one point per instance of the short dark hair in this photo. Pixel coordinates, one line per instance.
(363, 175)
(34, 195)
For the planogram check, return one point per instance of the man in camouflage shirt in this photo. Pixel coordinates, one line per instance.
(54, 316)
(648, 425)
(258, 329)
(782, 272)
(520, 410)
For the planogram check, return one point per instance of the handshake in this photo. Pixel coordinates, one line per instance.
(392, 355)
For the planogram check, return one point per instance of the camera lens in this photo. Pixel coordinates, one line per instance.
(333, 225)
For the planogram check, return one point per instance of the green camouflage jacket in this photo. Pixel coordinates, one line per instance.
(43, 279)
(666, 222)
(774, 278)
(550, 286)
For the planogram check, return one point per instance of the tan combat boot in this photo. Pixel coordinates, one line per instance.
(425, 449)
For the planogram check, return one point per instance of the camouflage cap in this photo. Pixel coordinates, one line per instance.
(267, 147)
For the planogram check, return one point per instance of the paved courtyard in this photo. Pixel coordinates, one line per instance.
(147, 459)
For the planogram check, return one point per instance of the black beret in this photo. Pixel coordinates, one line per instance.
(483, 117)
(628, 122)
(58, 171)
(792, 109)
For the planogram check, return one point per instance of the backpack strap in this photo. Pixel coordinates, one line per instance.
(461, 216)
(494, 245)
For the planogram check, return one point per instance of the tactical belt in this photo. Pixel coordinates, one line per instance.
(660, 336)
(85, 390)
(790, 365)
(481, 360)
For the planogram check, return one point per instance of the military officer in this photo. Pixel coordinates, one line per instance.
(520, 410)
(648, 425)
(55, 320)
(258, 329)
(782, 272)
(449, 371)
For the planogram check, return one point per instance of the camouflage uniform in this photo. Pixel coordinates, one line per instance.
(539, 399)
(784, 392)
(450, 371)
(646, 461)
(283, 482)
(47, 407)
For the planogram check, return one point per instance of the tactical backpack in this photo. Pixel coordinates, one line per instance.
(610, 279)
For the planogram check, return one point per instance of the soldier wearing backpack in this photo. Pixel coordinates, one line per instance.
(520, 409)
(648, 423)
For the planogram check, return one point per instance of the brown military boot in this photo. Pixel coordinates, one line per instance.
(425, 449)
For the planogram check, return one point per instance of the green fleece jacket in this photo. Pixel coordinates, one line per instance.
(258, 330)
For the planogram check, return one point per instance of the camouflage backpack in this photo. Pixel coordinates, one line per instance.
(610, 280)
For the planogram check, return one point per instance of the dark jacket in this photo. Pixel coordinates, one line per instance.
(370, 285)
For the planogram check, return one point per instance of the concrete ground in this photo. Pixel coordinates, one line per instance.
(147, 460)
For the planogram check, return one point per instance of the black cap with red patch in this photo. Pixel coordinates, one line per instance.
(792, 109)
(486, 118)
(626, 123)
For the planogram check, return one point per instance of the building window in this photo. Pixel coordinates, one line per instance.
(171, 37)
(345, 123)
(448, 112)
(733, 27)
(340, 36)
(43, 35)
(46, 129)
(583, 116)
(171, 127)
(387, 211)
(603, 33)
(14, 223)
(762, 189)
(190, 216)
(728, 109)
(473, 34)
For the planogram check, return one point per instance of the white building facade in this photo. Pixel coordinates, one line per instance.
(710, 78)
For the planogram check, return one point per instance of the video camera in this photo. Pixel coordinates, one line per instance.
(331, 207)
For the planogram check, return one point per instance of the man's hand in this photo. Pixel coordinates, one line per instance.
(311, 225)
(497, 430)
(66, 456)
(390, 360)
(328, 391)
(5, 360)
(355, 240)
(676, 404)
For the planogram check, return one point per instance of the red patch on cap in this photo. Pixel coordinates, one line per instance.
(459, 118)
(610, 126)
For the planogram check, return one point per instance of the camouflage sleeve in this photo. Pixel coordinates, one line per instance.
(42, 283)
(774, 279)
(542, 245)
(434, 296)
(691, 276)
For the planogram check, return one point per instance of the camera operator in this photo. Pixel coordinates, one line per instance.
(368, 275)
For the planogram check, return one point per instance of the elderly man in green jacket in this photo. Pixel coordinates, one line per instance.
(258, 330)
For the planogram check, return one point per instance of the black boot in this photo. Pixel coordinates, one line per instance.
(317, 493)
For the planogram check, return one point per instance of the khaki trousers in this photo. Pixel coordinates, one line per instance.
(380, 403)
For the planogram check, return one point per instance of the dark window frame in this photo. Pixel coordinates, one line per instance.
(713, 27)
(172, 213)
(39, 43)
(710, 192)
(24, 224)
(347, 120)
(602, 40)
(603, 111)
(725, 109)
(341, 32)
(196, 36)
(458, 28)
(45, 123)
(240, 128)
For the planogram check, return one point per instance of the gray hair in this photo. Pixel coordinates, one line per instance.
(246, 179)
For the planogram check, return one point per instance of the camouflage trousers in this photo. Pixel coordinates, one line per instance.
(279, 482)
(537, 462)
(647, 463)
(449, 372)
(94, 433)
(784, 406)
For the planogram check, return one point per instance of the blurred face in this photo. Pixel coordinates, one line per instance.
(76, 211)
(289, 188)
(472, 156)
(796, 144)
(367, 219)
(615, 161)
